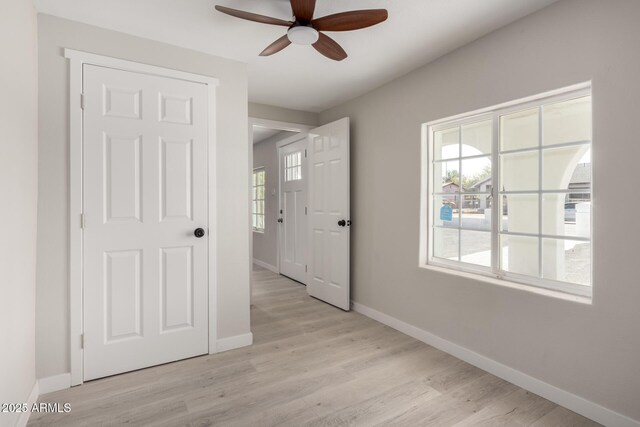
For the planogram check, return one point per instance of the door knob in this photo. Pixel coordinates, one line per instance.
(280, 220)
(198, 232)
(342, 223)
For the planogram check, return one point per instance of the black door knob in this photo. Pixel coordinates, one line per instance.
(342, 223)
(198, 232)
(280, 220)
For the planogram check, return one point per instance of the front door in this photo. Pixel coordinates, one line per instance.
(293, 210)
(145, 220)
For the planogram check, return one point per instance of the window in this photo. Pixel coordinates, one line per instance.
(258, 200)
(534, 226)
(293, 166)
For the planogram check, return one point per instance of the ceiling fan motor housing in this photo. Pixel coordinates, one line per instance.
(303, 34)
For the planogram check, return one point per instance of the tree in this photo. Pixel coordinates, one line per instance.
(467, 182)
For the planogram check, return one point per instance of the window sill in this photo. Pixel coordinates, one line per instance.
(509, 284)
(258, 231)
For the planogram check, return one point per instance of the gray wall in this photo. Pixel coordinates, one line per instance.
(589, 350)
(18, 199)
(232, 173)
(270, 112)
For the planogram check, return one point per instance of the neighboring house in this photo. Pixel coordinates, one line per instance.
(482, 201)
(580, 181)
(454, 189)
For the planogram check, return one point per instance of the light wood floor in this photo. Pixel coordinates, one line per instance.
(311, 364)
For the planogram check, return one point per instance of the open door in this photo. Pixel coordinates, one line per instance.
(329, 214)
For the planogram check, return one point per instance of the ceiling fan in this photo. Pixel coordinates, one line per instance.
(308, 31)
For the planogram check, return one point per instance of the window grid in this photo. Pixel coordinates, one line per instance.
(293, 166)
(258, 215)
(495, 228)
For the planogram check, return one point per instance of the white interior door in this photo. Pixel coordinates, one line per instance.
(144, 193)
(329, 214)
(293, 215)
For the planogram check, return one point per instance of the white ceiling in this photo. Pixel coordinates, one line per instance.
(417, 32)
(262, 133)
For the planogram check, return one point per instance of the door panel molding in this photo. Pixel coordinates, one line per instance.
(328, 276)
(77, 59)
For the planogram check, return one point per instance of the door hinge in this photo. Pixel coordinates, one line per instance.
(82, 101)
(305, 210)
(82, 341)
(306, 269)
(82, 220)
(305, 153)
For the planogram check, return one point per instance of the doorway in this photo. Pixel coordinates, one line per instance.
(302, 184)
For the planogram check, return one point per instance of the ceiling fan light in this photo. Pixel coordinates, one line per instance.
(303, 35)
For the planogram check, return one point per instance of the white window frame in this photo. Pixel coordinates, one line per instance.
(494, 274)
(256, 171)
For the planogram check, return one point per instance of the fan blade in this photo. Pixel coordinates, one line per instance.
(253, 16)
(276, 46)
(303, 9)
(348, 21)
(329, 48)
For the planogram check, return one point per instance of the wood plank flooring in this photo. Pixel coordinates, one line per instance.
(311, 365)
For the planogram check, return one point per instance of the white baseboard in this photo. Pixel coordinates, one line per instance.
(23, 418)
(231, 343)
(54, 383)
(564, 398)
(265, 265)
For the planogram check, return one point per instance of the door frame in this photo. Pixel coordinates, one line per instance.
(279, 145)
(76, 309)
(271, 124)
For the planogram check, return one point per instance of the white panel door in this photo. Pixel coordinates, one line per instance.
(329, 214)
(293, 215)
(144, 194)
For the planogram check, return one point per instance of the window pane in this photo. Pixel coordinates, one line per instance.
(520, 213)
(519, 171)
(254, 178)
(446, 177)
(476, 212)
(475, 247)
(254, 221)
(260, 222)
(566, 261)
(476, 138)
(260, 193)
(568, 121)
(441, 213)
(566, 167)
(261, 178)
(476, 174)
(519, 255)
(446, 144)
(519, 130)
(445, 243)
(566, 214)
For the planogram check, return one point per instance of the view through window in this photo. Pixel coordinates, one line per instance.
(258, 200)
(510, 192)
